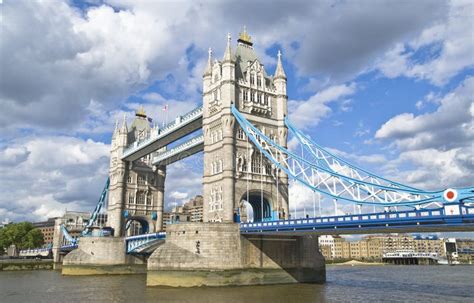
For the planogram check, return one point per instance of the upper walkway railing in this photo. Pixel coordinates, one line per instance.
(181, 151)
(157, 134)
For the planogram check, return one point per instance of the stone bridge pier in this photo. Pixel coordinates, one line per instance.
(216, 254)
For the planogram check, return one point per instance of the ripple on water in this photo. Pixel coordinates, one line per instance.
(345, 284)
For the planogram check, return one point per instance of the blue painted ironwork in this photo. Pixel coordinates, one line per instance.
(137, 244)
(364, 223)
(97, 209)
(339, 185)
(335, 163)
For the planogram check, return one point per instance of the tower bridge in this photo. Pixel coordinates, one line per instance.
(245, 127)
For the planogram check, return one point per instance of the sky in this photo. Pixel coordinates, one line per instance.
(388, 85)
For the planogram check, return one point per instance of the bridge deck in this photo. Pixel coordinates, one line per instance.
(406, 221)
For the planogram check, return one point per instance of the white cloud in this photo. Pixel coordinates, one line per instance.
(447, 45)
(60, 59)
(308, 113)
(436, 147)
(178, 195)
(450, 125)
(54, 173)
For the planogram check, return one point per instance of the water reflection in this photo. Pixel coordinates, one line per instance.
(345, 284)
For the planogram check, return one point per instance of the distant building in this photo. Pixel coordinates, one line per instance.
(47, 229)
(373, 247)
(75, 221)
(191, 211)
(465, 250)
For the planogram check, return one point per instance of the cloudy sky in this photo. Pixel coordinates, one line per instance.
(387, 84)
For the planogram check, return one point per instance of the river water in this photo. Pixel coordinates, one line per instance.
(344, 284)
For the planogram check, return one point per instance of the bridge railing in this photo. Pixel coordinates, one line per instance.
(169, 128)
(416, 217)
(135, 242)
(180, 148)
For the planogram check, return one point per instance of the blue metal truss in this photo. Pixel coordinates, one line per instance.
(402, 221)
(344, 182)
(139, 244)
(97, 209)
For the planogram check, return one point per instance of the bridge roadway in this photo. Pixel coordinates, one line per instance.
(181, 127)
(433, 220)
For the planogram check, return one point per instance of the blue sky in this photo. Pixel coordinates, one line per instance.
(387, 85)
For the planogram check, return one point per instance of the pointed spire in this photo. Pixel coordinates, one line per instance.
(245, 38)
(115, 128)
(208, 70)
(124, 128)
(279, 72)
(228, 50)
(140, 112)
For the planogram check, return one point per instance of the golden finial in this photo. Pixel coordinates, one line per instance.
(140, 112)
(244, 37)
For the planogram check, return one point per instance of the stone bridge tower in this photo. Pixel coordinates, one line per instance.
(236, 173)
(136, 192)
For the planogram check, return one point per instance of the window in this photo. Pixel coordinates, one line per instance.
(266, 100)
(240, 134)
(256, 165)
(259, 82)
(245, 94)
(149, 199)
(252, 96)
(141, 198)
(129, 179)
(131, 198)
(252, 79)
(141, 180)
(219, 134)
(259, 98)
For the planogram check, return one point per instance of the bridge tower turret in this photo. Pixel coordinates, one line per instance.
(117, 178)
(136, 191)
(236, 176)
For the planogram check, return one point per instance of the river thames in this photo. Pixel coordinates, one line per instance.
(344, 284)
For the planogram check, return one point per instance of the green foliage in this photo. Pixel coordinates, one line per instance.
(22, 235)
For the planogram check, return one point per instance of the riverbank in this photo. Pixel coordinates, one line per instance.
(25, 264)
(354, 263)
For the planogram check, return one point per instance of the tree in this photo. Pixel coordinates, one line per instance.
(23, 235)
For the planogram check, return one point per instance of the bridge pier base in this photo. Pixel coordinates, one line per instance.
(101, 255)
(216, 254)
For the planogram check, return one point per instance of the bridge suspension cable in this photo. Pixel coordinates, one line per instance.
(330, 161)
(320, 176)
(97, 209)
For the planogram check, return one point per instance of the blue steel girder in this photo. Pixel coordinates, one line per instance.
(428, 220)
(337, 164)
(337, 185)
(98, 208)
(138, 243)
